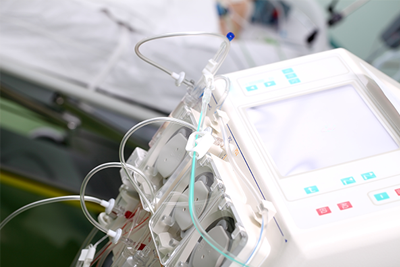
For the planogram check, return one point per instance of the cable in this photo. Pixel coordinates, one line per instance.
(93, 172)
(254, 193)
(47, 201)
(203, 233)
(193, 215)
(220, 56)
(122, 157)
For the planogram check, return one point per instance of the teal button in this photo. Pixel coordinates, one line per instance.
(251, 88)
(291, 75)
(268, 84)
(293, 81)
(381, 196)
(368, 175)
(311, 189)
(348, 180)
(287, 70)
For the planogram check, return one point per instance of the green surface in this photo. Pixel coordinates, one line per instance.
(49, 235)
(21, 120)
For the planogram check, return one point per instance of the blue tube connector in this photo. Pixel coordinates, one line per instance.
(230, 36)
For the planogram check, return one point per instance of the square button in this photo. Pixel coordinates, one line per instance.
(291, 75)
(368, 175)
(293, 81)
(323, 211)
(345, 205)
(251, 88)
(311, 189)
(348, 180)
(285, 71)
(381, 196)
(397, 191)
(270, 83)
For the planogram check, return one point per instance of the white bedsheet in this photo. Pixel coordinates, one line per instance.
(92, 43)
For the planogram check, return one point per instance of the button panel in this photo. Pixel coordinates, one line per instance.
(345, 182)
(385, 195)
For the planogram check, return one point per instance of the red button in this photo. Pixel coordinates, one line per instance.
(397, 191)
(345, 205)
(324, 210)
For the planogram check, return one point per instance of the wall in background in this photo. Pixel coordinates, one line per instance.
(360, 32)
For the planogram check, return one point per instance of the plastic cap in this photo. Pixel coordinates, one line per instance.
(109, 205)
(230, 36)
(115, 235)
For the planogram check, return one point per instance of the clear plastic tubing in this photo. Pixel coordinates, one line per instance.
(46, 201)
(255, 194)
(219, 57)
(194, 217)
(129, 134)
(90, 175)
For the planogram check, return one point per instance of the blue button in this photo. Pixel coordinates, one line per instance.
(348, 180)
(287, 70)
(293, 81)
(268, 84)
(311, 189)
(291, 75)
(368, 175)
(251, 88)
(381, 196)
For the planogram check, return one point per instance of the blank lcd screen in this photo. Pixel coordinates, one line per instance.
(319, 130)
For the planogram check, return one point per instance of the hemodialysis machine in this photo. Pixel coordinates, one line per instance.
(292, 164)
(317, 139)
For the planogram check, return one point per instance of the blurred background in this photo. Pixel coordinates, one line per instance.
(72, 85)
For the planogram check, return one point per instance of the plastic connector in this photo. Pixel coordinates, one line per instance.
(115, 235)
(223, 115)
(178, 78)
(109, 205)
(87, 256)
(267, 207)
(230, 36)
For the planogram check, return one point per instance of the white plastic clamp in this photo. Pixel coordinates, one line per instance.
(87, 256)
(200, 145)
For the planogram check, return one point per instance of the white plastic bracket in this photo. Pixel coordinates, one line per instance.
(224, 116)
(200, 145)
(266, 207)
(238, 231)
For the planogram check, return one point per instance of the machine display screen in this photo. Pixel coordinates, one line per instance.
(319, 130)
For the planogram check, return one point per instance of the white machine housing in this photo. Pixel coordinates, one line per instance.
(319, 137)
